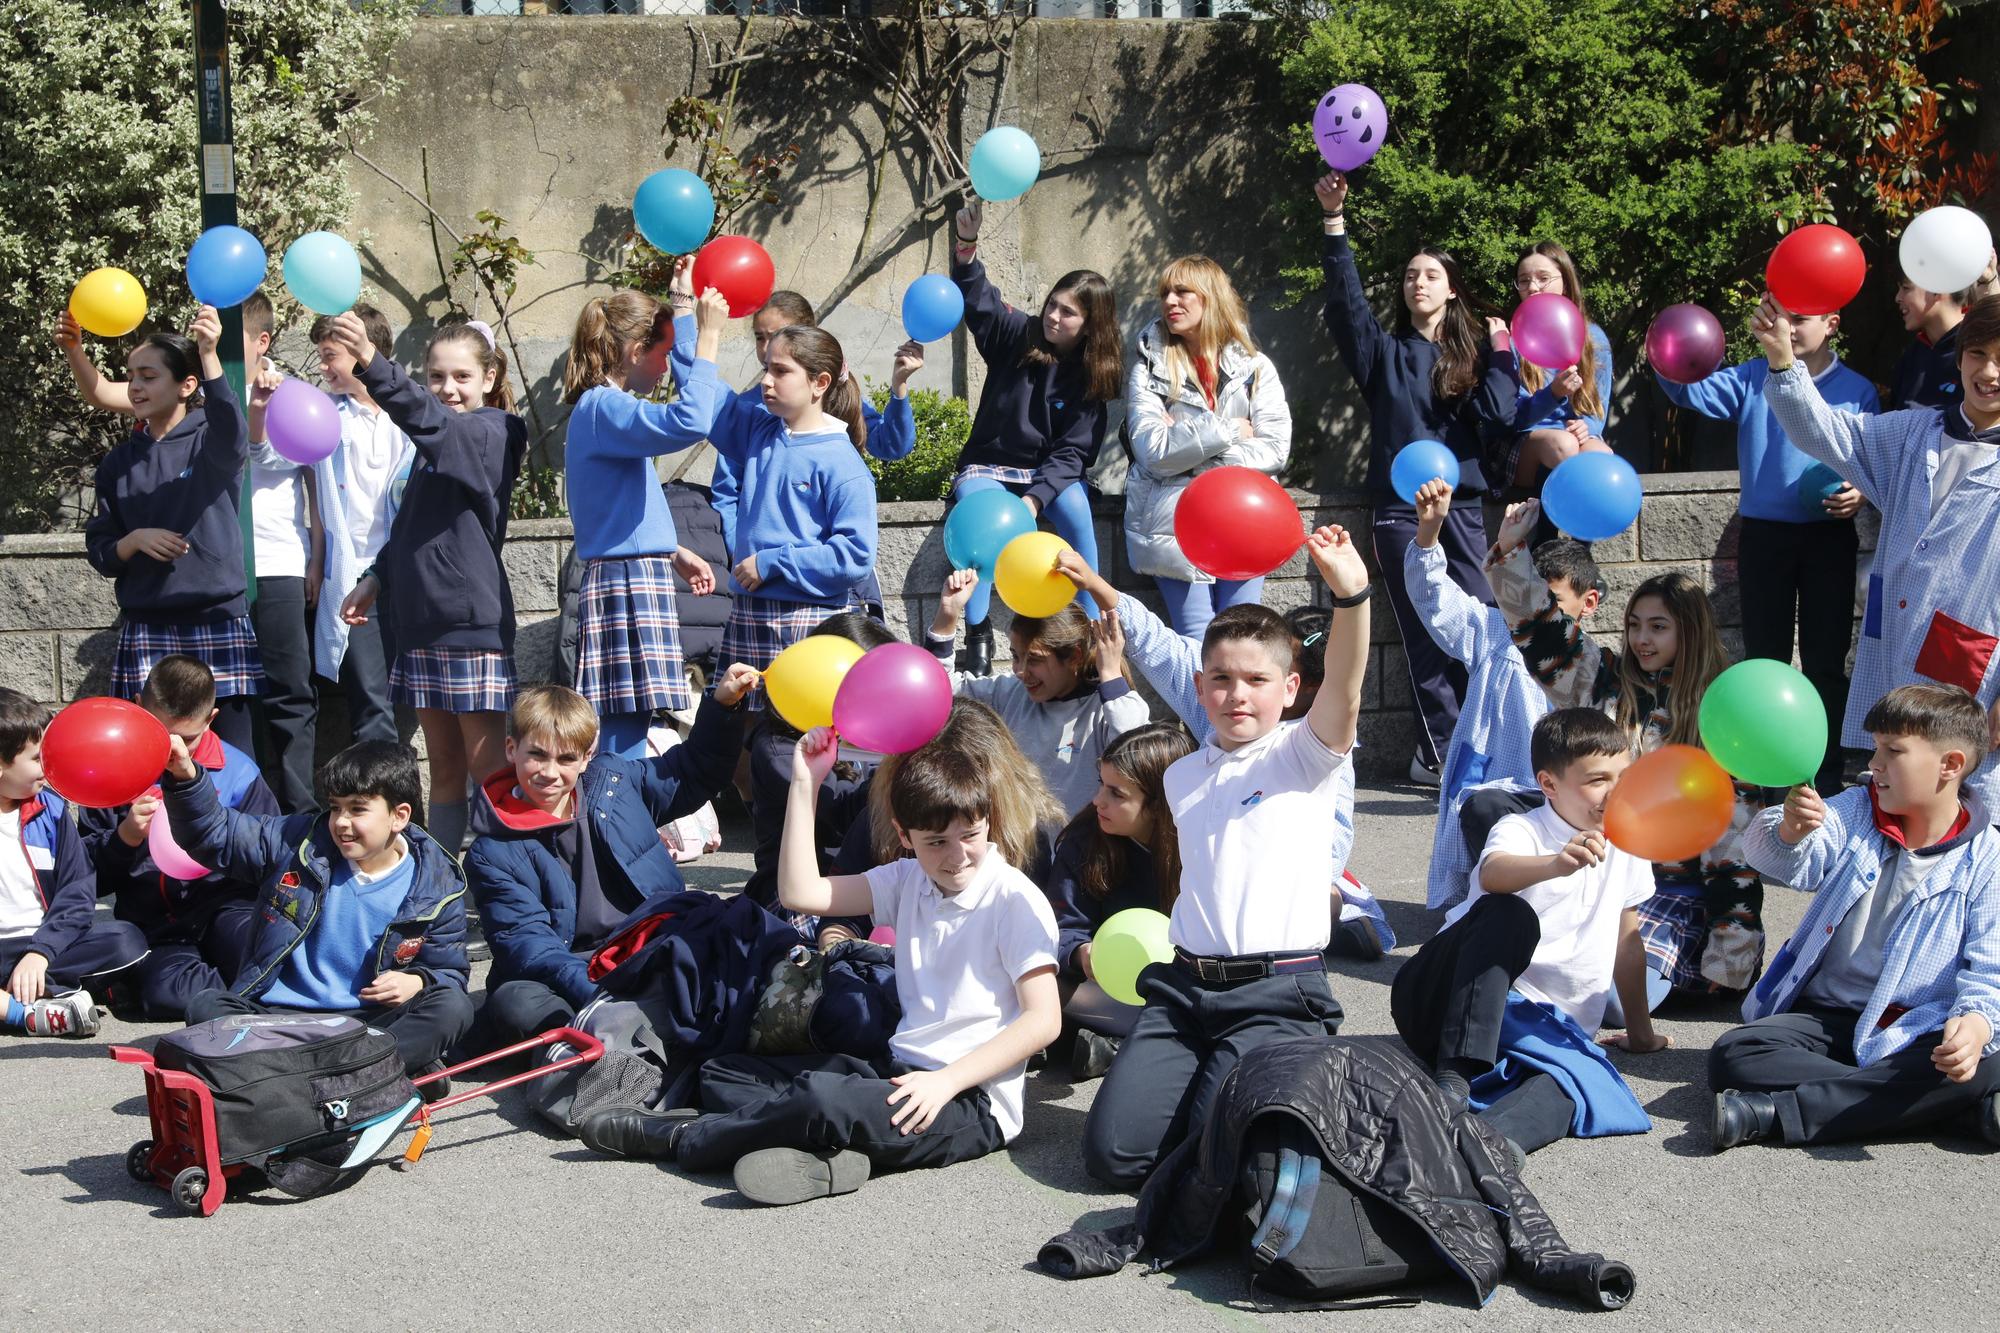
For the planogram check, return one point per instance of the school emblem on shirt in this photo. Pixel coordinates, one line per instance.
(407, 951)
(289, 880)
(1252, 799)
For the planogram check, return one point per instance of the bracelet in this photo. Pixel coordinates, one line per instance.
(1779, 370)
(1347, 603)
(1337, 213)
(967, 241)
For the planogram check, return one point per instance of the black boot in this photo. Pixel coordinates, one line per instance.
(626, 1131)
(1742, 1117)
(1092, 1055)
(976, 658)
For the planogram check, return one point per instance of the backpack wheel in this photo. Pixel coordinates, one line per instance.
(139, 1161)
(189, 1187)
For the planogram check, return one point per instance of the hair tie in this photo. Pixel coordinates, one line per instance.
(484, 330)
(843, 372)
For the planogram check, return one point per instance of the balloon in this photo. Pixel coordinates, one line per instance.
(894, 700)
(1670, 805)
(1004, 163)
(1025, 575)
(1349, 125)
(104, 752)
(1592, 496)
(1549, 331)
(740, 269)
(224, 267)
(167, 854)
(884, 935)
(932, 307)
(1685, 344)
(323, 271)
(109, 302)
(1124, 946)
(674, 210)
(1815, 270)
(1765, 723)
(1235, 523)
(303, 423)
(1945, 249)
(1419, 462)
(804, 679)
(1818, 483)
(980, 526)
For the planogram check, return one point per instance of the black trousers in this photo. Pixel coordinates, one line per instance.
(822, 1102)
(364, 677)
(1436, 678)
(106, 947)
(287, 704)
(425, 1026)
(1188, 1037)
(188, 964)
(517, 1010)
(1800, 577)
(1805, 1060)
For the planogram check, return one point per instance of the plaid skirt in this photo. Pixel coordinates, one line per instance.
(1006, 476)
(759, 628)
(628, 637)
(229, 647)
(453, 680)
(1674, 925)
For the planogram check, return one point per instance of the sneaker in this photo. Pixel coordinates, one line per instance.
(1421, 775)
(779, 1176)
(71, 1015)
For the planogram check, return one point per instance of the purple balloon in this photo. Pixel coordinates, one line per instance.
(302, 422)
(1685, 344)
(895, 699)
(1349, 125)
(1549, 331)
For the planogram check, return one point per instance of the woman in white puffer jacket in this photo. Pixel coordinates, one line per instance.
(1199, 395)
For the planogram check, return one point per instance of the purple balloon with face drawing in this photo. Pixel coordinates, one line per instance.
(1349, 125)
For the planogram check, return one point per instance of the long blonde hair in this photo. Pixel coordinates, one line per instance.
(1012, 795)
(1223, 319)
(1584, 402)
(1698, 659)
(605, 327)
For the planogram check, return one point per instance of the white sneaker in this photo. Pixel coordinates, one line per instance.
(1423, 777)
(71, 1015)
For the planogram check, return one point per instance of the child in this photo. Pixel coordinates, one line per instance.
(1556, 414)
(199, 930)
(1042, 412)
(566, 844)
(1250, 920)
(1795, 554)
(1927, 375)
(976, 976)
(165, 526)
(628, 633)
(360, 911)
(450, 609)
(1880, 1014)
(51, 947)
(1067, 697)
(1553, 919)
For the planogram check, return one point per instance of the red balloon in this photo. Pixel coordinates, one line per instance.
(740, 269)
(1816, 270)
(1237, 523)
(1670, 805)
(103, 752)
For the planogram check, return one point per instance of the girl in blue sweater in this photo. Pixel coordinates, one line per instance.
(628, 657)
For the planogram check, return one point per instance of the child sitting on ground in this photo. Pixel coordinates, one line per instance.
(1881, 1015)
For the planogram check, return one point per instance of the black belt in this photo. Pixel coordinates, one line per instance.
(1252, 968)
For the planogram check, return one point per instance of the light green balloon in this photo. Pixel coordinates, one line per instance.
(1764, 722)
(1126, 945)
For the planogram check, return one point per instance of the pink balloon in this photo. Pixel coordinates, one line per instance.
(895, 699)
(1685, 344)
(303, 423)
(1549, 331)
(167, 854)
(883, 935)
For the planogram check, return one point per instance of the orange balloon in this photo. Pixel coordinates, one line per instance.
(1670, 805)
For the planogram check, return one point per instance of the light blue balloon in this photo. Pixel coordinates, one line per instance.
(1004, 163)
(1419, 463)
(1818, 483)
(674, 210)
(225, 266)
(323, 272)
(981, 525)
(1593, 496)
(932, 307)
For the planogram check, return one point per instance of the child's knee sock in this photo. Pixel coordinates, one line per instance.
(447, 824)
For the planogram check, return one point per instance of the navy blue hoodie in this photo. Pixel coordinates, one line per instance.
(1927, 375)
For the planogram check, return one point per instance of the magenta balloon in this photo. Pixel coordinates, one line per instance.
(302, 422)
(895, 699)
(1549, 331)
(1685, 344)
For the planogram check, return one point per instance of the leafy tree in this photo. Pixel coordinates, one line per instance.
(943, 425)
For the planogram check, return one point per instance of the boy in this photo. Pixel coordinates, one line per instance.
(199, 929)
(1552, 916)
(1250, 922)
(359, 911)
(976, 976)
(566, 844)
(50, 945)
(1795, 554)
(1927, 373)
(1880, 1014)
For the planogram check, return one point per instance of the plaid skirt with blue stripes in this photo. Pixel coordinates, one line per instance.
(229, 647)
(1006, 476)
(453, 680)
(628, 637)
(1673, 923)
(759, 628)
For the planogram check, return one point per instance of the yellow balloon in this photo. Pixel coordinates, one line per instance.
(803, 679)
(109, 302)
(1025, 575)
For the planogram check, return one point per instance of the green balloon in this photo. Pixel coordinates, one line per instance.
(1764, 722)
(1125, 946)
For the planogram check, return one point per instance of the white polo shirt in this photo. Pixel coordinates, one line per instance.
(958, 958)
(1257, 865)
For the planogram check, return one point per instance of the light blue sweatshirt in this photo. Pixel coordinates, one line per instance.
(615, 502)
(1769, 464)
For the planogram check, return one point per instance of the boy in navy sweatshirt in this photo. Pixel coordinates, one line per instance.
(1927, 374)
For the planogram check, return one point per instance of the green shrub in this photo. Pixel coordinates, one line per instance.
(943, 423)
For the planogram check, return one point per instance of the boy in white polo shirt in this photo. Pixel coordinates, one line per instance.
(1252, 808)
(976, 975)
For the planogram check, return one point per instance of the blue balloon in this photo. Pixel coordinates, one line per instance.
(1818, 483)
(675, 211)
(1420, 462)
(1004, 163)
(932, 307)
(981, 525)
(1593, 496)
(225, 266)
(323, 271)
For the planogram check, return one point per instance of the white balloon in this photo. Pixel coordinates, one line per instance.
(1945, 249)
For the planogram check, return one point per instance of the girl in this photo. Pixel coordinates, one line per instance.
(1199, 396)
(1558, 415)
(165, 526)
(449, 608)
(1434, 378)
(1049, 386)
(628, 632)
(1067, 698)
